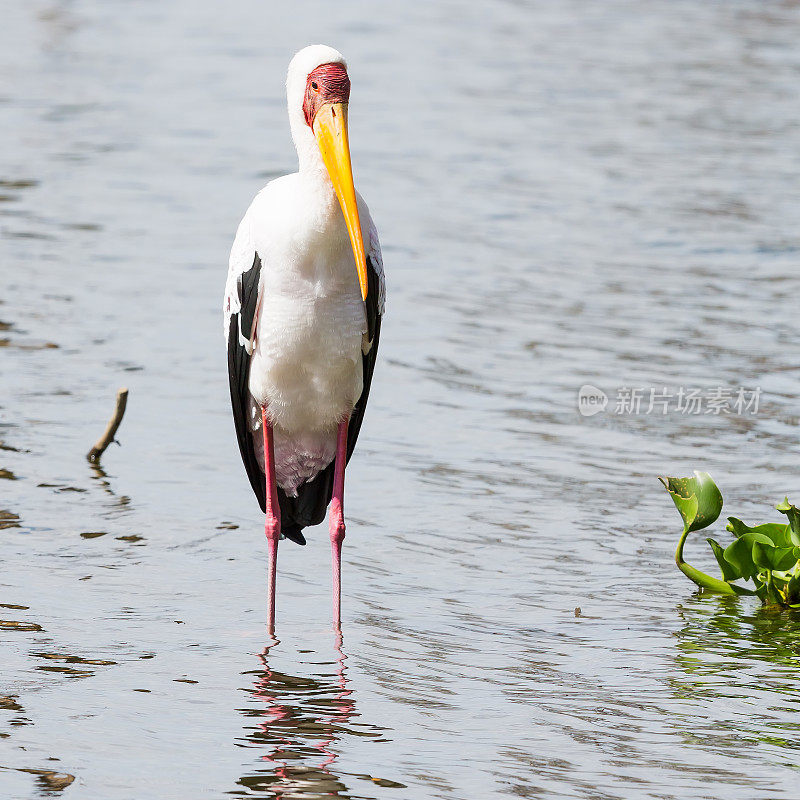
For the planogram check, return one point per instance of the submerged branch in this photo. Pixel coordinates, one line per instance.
(111, 429)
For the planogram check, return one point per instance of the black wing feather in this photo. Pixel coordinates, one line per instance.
(312, 500)
(239, 373)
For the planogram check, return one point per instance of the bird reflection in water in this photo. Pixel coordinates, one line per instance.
(299, 721)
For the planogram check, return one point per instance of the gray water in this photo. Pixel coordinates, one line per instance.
(567, 193)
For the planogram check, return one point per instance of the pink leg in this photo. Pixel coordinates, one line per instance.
(336, 522)
(272, 524)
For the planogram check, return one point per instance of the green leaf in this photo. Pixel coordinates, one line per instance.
(697, 499)
(773, 558)
(777, 532)
(740, 553)
(794, 519)
(729, 571)
(782, 585)
(773, 595)
(699, 502)
(793, 589)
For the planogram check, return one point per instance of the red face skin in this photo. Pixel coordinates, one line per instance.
(328, 83)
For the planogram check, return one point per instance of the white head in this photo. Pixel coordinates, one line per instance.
(300, 67)
(317, 94)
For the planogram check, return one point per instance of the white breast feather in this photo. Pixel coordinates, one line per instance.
(306, 363)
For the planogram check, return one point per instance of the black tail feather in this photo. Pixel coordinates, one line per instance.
(294, 533)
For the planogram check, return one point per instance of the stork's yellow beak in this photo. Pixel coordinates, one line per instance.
(330, 128)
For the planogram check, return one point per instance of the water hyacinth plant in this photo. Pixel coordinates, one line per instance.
(768, 554)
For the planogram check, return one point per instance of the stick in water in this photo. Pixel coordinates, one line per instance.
(108, 435)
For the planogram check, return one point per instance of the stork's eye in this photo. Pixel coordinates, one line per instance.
(314, 86)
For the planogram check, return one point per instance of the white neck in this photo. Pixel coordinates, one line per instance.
(309, 157)
(312, 171)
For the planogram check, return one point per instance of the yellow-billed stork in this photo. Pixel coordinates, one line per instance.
(303, 305)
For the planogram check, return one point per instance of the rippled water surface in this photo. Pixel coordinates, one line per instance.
(567, 193)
